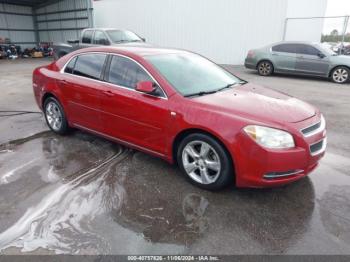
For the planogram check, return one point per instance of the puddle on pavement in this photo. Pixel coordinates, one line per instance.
(79, 194)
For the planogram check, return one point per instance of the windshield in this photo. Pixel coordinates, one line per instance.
(192, 74)
(118, 36)
(326, 48)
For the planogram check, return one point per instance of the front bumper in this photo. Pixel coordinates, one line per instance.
(261, 167)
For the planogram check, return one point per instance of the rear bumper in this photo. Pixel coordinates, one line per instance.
(248, 63)
(260, 167)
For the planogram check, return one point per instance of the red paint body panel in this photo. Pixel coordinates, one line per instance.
(151, 124)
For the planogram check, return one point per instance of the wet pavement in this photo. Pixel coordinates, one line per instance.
(80, 194)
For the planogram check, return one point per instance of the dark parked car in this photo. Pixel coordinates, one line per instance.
(300, 58)
(181, 107)
(98, 37)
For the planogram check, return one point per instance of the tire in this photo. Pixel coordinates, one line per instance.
(340, 75)
(265, 68)
(55, 116)
(205, 162)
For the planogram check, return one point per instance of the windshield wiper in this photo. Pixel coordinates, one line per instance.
(121, 41)
(217, 90)
(232, 85)
(202, 93)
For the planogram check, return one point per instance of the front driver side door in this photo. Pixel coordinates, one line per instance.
(129, 115)
(309, 62)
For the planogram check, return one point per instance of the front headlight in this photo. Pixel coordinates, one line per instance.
(270, 137)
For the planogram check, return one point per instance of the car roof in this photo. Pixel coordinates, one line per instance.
(136, 50)
(105, 29)
(295, 42)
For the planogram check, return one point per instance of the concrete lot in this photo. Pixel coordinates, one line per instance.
(85, 195)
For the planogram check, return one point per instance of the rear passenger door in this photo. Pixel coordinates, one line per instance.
(309, 62)
(82, 90)
(284, 57)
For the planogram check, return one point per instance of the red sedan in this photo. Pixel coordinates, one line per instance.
(181, 107)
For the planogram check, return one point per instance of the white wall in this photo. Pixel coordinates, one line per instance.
(223, 30)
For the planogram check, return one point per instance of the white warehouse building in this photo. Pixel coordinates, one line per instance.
(223, 30)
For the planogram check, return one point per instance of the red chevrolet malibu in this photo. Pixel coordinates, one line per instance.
(181, 107)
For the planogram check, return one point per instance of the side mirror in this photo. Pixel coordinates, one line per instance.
(143, 39)
(147, 87)
(320, 55)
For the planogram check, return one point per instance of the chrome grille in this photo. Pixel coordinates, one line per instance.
(314, 128)
(310, 129)
(275, 175)
(318, 147)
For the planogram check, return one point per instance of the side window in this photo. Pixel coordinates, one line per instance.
(89, 65)
(125, 72)
(100, 38)
(284, 48)
(307, 50)
(70, 67)
(86, 39)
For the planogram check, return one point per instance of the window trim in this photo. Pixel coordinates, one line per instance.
(165, 97)
(76, 59)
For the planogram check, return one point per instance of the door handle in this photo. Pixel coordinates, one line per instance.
(275, 54)
(108, 93)
(300, 56)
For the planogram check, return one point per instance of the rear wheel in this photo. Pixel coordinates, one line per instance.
(55, 117)
(205, 162)
(265, 68)
(340, 75)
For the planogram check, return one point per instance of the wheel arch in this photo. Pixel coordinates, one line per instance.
(46, 96)
(335, 67)
(184, 133)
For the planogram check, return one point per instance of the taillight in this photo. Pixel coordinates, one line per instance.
(251, 54)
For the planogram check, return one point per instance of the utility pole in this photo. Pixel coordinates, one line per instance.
(346, 22)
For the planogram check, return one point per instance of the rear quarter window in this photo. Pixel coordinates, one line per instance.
(70, 67)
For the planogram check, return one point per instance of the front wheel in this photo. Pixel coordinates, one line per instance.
(205, 162)
(340, 75)
(55, 117)
(265, 68)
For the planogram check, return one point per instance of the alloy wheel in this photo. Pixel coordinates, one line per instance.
(340, 75)
(265, 68)
(201, 162)
(54, 116)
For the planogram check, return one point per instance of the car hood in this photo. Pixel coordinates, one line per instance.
(258, 103)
